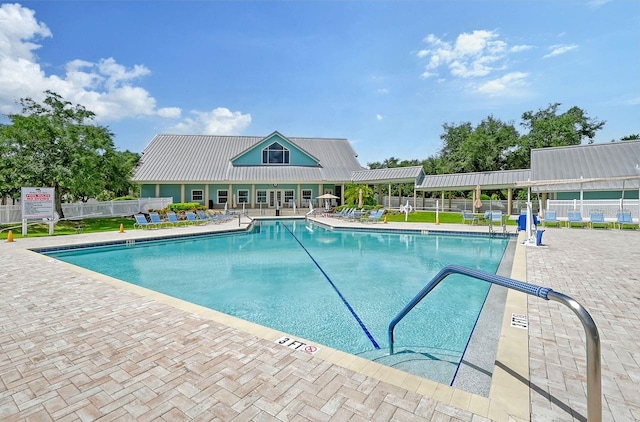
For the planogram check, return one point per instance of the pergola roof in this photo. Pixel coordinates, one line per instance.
(586, 167)
(412, 174)
(468, 181)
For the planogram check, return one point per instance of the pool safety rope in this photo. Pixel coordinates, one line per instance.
(344, 300)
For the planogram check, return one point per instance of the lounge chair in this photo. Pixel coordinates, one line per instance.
(342, 213)
(551, 217)
(373, 217)
(142, 222)
(597, 217)
(492, 216)
(202, 216)
(155, 219)
(575, 217)
(469, 216)
(191, 218)
(173, 219)
(624, 218)
(355, 214)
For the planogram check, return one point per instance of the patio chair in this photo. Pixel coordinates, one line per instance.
(173, 219)
(575, 217)
(597, 217)
(492, 216)
(142, 222)
(343, 214)
(469, 216)
(624, 218)
(155, 219)
(373, 217)
(204, 217)
(551, 217)
(191, 218)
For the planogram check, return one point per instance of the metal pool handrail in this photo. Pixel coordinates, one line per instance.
(594, 381)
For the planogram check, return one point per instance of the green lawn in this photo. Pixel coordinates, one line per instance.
(96, 225)
(430, 217)
(93, 225)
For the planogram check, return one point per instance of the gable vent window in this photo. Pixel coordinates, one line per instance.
(275, 154)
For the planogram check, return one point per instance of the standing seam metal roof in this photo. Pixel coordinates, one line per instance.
(206, 158)
(593, 161)
(395, 175)
(469, 181)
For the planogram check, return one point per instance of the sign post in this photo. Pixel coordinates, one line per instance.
(38, 204)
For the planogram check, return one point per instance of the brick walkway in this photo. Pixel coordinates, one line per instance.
(600, 269)
(74, 347)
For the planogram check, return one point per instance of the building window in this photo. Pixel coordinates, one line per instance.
(306, 197)
(288, 197)
(275, 154)
(243, 197)
(223, 196)
(261, 197)
(197, 195)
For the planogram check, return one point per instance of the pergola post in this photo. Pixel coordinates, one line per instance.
(509, 201)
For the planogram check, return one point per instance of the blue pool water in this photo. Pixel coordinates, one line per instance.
(336, 288)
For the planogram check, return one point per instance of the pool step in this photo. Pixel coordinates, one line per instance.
(435, 364)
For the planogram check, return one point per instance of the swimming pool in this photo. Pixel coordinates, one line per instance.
(336, 288)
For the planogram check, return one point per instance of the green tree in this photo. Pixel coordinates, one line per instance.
(352, 194)
(53, 144)
(548, 128)
(632, 137)
(484, 148)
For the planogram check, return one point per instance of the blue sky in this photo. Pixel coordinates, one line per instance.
(385, 75)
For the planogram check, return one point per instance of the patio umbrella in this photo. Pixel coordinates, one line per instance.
(327, 196)
(360, 200)
(477, 203)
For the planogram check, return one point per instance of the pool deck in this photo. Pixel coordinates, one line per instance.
(76, 345)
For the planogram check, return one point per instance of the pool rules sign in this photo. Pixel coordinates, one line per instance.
(37, 204)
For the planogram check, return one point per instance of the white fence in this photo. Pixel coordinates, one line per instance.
(459, 204)
(610, 207)
(78, 210)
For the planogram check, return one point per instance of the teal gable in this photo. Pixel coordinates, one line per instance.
(275, 150)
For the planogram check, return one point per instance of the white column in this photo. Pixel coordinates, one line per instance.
(182, 192)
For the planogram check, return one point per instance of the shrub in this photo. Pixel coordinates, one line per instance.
(186, 206)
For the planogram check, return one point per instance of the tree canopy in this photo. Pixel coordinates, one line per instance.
(494, 145)
(55, 144)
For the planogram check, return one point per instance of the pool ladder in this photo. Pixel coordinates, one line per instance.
(594, 381)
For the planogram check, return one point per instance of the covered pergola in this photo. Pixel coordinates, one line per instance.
(389, 176)
(489, 180)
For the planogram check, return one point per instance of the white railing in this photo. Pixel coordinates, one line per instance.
(78, 210)
(459, 204)
(610, 207)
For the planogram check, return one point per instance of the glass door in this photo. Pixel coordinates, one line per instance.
(276, 197)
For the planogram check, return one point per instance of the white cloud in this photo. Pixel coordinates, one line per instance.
(559, 49)
(519, 48)
(507, 85)
(473, 55)
(220, 121)
(170, 112)
(17, 26)
(105, 87)
(594, 4)
(383, 91)
(379, 117)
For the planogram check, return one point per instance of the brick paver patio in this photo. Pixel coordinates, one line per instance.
(74, 347)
